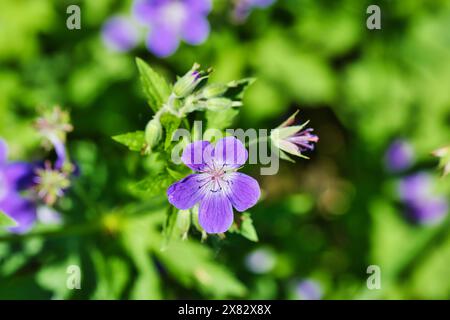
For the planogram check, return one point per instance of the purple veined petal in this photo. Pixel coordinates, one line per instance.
(228, 151)
(215, 212)
(244, 191)
(120, 34)
(162, 41)
(3, 152)
(185, 193)
(199, 6)
(22, 210)
(193, 155)
(195, 29)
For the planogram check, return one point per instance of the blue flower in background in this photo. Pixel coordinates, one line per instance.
(308, 290)
(16, 177)
(170, 21)
(120, 34)
(399, 156)
(423, 206)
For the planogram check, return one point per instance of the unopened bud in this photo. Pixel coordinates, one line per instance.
(214, 90)
(183, 223)
(187, 83)
(153, 133)
(219, 104)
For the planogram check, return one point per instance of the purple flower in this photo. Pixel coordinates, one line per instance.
(293, 139)
(14, 178)
(260, 261)
(399, 156)
(120, 34)
(422, 205)
(308, 290)
(172, 20)
(216, 186)
(243, 8)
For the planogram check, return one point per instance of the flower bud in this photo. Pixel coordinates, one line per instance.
(187, 83)
(214, 90)
(183, 223)
(153, 133)
(219, 104)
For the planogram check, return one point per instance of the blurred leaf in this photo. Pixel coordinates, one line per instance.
(221, 119)
(153, 185)
(135, 141)
(155, 87)
(236, 88)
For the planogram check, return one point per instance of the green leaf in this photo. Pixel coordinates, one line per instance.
(220, 119)
(245, 228)
(154, 185)
(135, 141)
(156, 89)
(236, 88)
(6, 221)
(170, 124)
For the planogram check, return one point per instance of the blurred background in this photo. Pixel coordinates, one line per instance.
(378, 99)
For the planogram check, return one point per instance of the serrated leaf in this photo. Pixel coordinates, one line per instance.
(155, 87)
(135, 141)
(6, 221)
(153, 185)
(244, 226)
(170, 124)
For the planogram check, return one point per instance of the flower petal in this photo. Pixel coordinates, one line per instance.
(162, 41)
(3, 151)
(185, 193)
(19, 175)
(22, 210)
(199, 6)
(215, 213)
(244, 191)
(195, 29)
(193, 155)
(119, 34)
(229, 151)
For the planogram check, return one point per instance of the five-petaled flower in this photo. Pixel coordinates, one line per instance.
(216, 186)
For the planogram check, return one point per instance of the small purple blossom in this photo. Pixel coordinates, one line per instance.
(308, 290)
(216, 186)
(422, 205)
(293, 139)
(120, 34)
(399, 156)
(260, 261)
(170, 21)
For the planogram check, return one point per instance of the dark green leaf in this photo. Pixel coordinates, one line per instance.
(153, 185)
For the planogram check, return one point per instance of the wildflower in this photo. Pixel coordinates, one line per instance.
(243, 8)
(216, 186)
(308, 290)
(422, 205)
(172, 20)
(293, 139)
(399, 156)
(15, 177)
(120, 34)
(444, 155)
(260, 261)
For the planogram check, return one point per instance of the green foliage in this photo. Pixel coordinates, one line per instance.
(135, 141)
(6, 221)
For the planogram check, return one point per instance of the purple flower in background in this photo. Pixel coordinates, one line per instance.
(216, 186)
(423, 206)
(170, 21)
(260, 261)
(120, 34)
(15, 177)
(243, 8)
(399, 156)
(308, 290)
